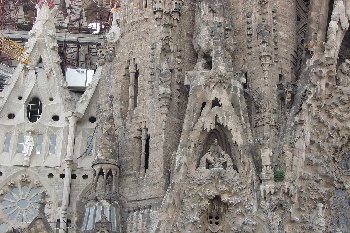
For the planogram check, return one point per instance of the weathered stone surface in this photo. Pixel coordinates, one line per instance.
(202, 116)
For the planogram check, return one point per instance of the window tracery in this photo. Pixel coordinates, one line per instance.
(20, 200)
(34, 110)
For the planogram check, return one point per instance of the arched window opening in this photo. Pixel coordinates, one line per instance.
(34, 110)
(215, 103)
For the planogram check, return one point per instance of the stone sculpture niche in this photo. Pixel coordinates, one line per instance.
(216, 158)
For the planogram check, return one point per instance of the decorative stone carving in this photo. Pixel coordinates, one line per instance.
(343, 74)
(20, 202)
(25, 178)
(216, 158)
(27, 148)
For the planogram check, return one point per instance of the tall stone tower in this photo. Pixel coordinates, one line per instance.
(201, 116)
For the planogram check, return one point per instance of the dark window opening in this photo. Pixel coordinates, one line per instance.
(215, 103)
(62, 176)
(55, 118)
(34, 109)
(74, 176)
(69, 223)
(20, 97)
(51, 99)
(50, 175)
(92, 119)
(203, 106)
(0, 173)
(245, 85)
(58, 223)
(101, 173)
(11, 116)
(145, 3)
(136, 87)
(147, 147)
(280, 78)
(85, 177)
(208, 62)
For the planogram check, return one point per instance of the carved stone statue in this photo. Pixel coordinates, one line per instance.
(264, 33)
(216, 158)
(343, 74)
(27, 148)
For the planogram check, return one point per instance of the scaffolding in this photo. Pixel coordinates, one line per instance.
(12, 50)
(10, 14)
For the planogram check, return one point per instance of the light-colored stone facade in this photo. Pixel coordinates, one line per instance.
(202, 116)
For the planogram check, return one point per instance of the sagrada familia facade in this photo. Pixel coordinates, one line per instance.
(193, 116)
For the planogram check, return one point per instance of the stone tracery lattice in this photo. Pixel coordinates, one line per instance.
(20, 200)
(21, 203)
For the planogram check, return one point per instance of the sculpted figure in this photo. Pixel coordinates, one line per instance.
(216, 158)
(27, 147)
(264, 33)
(343, 74)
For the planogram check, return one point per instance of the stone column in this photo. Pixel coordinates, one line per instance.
(95, 180)
(115, 186)
(68, 162)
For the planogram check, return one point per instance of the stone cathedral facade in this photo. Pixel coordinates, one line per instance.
(202, 116)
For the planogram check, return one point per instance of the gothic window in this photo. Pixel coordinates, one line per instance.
(93, 215)
(20, 143)
(7, 142)
(39, 144)
(90, 146)
(52, 147)
(34, 109)
(21, 204)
